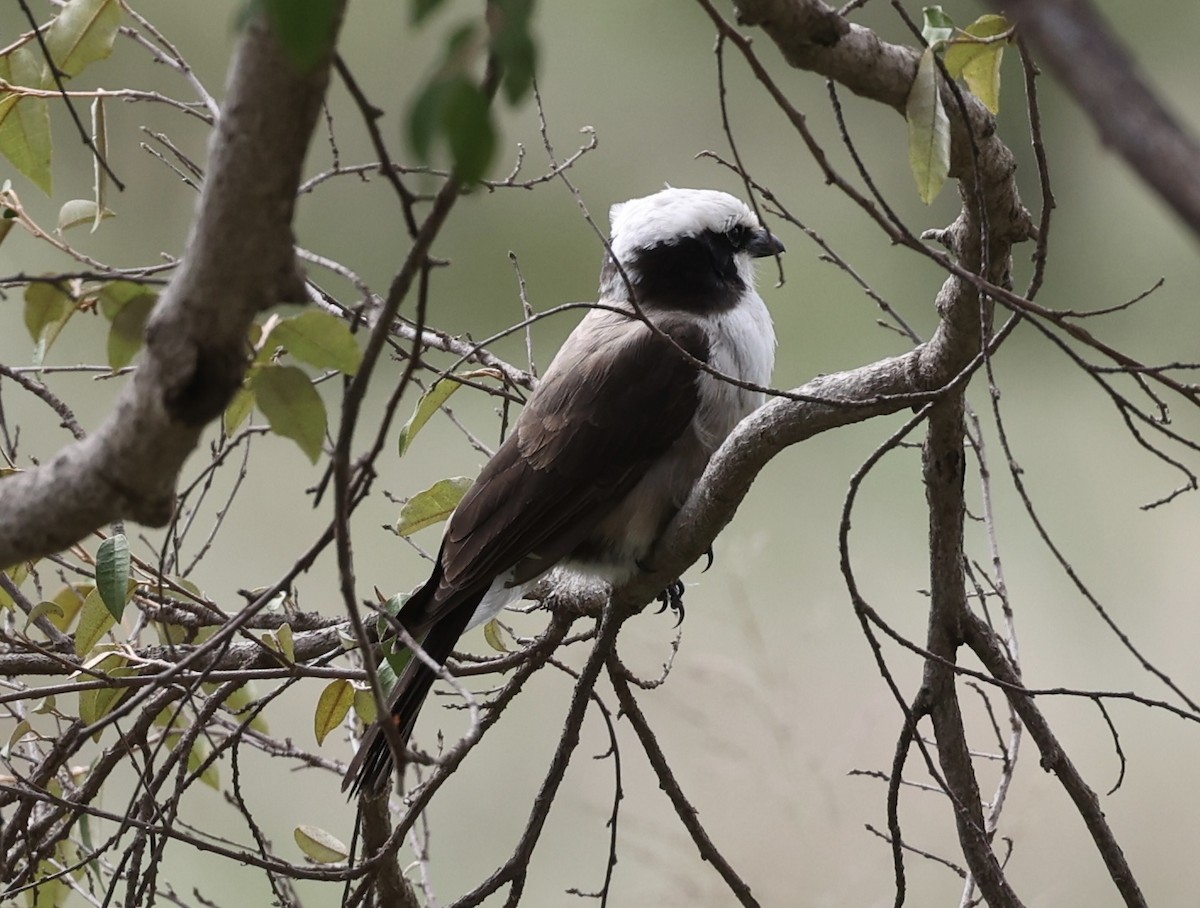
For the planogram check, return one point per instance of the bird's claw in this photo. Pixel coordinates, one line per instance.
(672, 598)
(708, 553)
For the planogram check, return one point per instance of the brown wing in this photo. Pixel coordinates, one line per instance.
(616, 397)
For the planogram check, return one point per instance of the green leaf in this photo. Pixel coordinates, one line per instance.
(431, 401)
(23, 728)
(389, 609)
(392, 666)
(928, 130)
(112, 573)
(425, 118)
(320, 339)
(47, 309)
(197, 757)
(514, 48)
(332, 706)
(237, 411)
(292, 406)
(422, 8)
(432, 506)
(76, 212)
(364, 705)
(128, 330)
(467, 122)
(96, 703)
(320, 845)
(94, 622)
(938, 26)
(25, 121)
(242, 702)
(114, 296)
(306, 28)
(83, 33)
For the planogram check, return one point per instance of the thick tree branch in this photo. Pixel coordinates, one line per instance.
(196, 341)
(944, 470)
(984, 643)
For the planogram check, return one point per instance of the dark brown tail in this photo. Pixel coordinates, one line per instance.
(371, 768)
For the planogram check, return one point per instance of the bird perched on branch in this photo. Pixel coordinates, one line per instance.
(611, 443)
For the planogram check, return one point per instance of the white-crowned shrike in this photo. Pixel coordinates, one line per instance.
(610, 444)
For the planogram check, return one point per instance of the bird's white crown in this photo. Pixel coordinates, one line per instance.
(672, 214)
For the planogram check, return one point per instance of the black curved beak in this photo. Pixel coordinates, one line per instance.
(764, 243)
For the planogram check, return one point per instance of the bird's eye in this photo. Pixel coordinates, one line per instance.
(738, 235)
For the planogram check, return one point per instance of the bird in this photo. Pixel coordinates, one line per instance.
(612, 440)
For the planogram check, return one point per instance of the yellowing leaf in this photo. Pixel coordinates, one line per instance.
(432, 506)
(494, 635)
(982, 76)
(332, 707)
(928, 130)
(50, 891)
(49, 610)
(94, 622)
(83, 33)
(320, 845)
(282, 642)
(320, 339)
(25, 121)
(70, 600)
(978, 62)
(292, 406)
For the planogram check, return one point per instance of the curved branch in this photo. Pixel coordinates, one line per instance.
(196, 341)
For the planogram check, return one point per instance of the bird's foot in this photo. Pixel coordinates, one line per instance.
(672, 598)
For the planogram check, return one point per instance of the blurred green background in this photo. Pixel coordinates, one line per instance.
(774, 697)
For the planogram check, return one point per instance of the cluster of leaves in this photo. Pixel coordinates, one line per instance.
(81, 33)
(452, 107)
(286, 394)
(90, 610)
(972, 54)
(124, 304)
